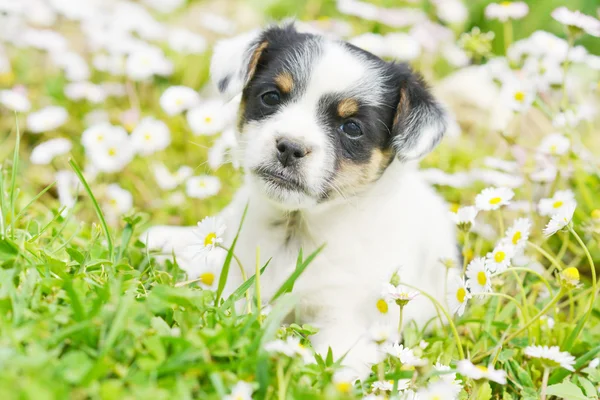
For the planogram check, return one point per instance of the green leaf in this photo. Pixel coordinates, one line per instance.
(8, 250)
(566, 390)
(484, 392)
(288, 285)
(239, 292)
(76, 304)
(75, 255)
(588, 387)
(522, 375)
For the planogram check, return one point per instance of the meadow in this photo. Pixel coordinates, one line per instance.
(109, 125)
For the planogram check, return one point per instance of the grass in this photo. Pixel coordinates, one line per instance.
(86, 312)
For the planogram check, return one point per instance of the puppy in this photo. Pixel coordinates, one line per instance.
(329, 138)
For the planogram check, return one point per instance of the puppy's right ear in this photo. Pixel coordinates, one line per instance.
(234, 62)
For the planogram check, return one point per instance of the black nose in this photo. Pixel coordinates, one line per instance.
(289, 151)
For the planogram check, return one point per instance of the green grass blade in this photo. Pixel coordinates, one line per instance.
(227, 264)
(40, 194)
(239, 292)
(3, 210)
(13, 179)
(288, 285)
(111, 250)
(562, 373)
(125, 239)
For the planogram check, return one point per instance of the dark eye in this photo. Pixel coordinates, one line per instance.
(271, 98)
(351, 129)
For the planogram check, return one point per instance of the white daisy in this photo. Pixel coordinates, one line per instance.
(478, 277)
(518, 234)
(203, 186)
(467, 369)
(371, 42)
(344, 379)
(449, 378)
(406, 356)
(399, 294)
(560, 201)
(464, 217)
(506, 10)
(147, 61)
(208, 118)
(517, 95)
(85, 91)
(108, 147)
(498, 260)
(457, 296)
(388, 386)
(210, 234)
(577, 20)
(74, 66)
(382, 333)
(291, 347)
(560, 220)
(551, 356)
(98, 134)
(119, 200)
(217, 23)
(594, 363)
(168, 181)
(177, 99)
(46, 119)
(44, 153)
(242, 390)
(493, 198)
(439, 390)
(15, 100)
(67, 186)
(150, 135)
(206, 269)
(451, 11)
(554, 144)
(186, 42)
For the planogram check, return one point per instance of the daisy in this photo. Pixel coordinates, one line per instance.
(203, 186)
(551, 356)
(382, 333)
(594, 363)
(371, 42)
(67, 186)
(577, 21)
(451, 11)
(457, 296)
(165, 6)
(518, 234)
(291, 347)
(498, 260)
(506, 10)
(208, 118)
(401, 46)
(113, 152)
(242, 390)
(151, 135)
(493, 198)
(119, 200)
(476, 372)
(186, 42)
(569, 277)
(449, 378)
(177, 99)
(217, 23)
(439, 390)
(44, 153)
(85, 91)
(555, 145)
(210, 234)
(406, 356)
(478, 277)
(557, 203)
(46, 119)
(518, 96)
(464, 217)
(560, 220)
(98, 134)
(145, 62)
(344, 379)
(388, 386)
(74, 66)
(399, 294)
(168, 181)
(382, 305)
(14, 100)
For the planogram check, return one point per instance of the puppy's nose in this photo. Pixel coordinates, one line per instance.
(289, 151)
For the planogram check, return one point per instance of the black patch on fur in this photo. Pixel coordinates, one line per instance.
(222, 85)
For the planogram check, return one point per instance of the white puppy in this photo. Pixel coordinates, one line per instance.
(329, 138)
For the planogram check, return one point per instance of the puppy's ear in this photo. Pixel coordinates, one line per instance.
(234, 62)
(420, 121)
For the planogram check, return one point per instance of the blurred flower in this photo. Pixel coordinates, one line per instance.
(518, 234)
(551, 356)
(168, 181)
(217, 23)
(439, 390)
(113, 64)
(344, 379)
(108, 147)
(503, 165)
(146, 62)
(388, 386)
(498, 260)
(569, 277)
(401, 46)
(464, 217)
(467, 369)
(210, 231)
(187, 42)
(371, 42)
(290, 347)
(45, 152)
(73, 65)
(594, 363)
(67, 185)
(208, 118)
(203, 186)
(46, 119)
(451, 11)
(449, 378)
(560, 220)
(165, 6)
(493, 198)
(406, 356)
(577, 20)
(506, 10)
(555, 144)
(478, 277)
(242, 390)
(151, 135)
(177, 99)
(399, 294)
(457, 296)
(517, 95)
(120, 201)
(85, 90)
(560, 201)
(44, 39)
(382, 333)
(14, 100)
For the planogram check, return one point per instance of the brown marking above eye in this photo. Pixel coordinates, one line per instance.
(347, 108)
(255, 58)
(284, 82)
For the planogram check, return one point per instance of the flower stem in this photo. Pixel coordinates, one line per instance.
(547, 255)
(281, 384)
(500, 222)
(464, 252)
(510, 298)
(257, 281)
(400, 320)
(461, 354)
(544, 383)
(529, 270)
(508, 35)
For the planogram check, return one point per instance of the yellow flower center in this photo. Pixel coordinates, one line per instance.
(179, 101)
(454, 207)
(505, 3)
(100, 137)
(499, 256)
(571, 274)
(207, 278)
(481, 368)
(112, 152)
(113, 202)
(495, 200)
(519, 96)
(201, 184)
(436, 397)
(596, 213)
(553, 149)
(147, 137)
(382, 306)
(461, 294)
(208, 120)
(516, 237)
(209, 239)
(343, 387)
(481, 278)
(557, 204)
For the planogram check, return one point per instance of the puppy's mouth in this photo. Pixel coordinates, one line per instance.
(280, 180)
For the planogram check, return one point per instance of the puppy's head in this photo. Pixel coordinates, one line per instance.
(321, 118)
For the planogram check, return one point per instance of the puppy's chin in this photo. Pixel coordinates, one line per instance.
(280, 195)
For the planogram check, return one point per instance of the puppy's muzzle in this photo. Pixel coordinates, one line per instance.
(290, 152)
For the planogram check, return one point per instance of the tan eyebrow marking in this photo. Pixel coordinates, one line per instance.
(284, 82)
(347, 107)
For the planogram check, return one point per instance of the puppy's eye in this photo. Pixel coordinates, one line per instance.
(271, 98)
(351, 129)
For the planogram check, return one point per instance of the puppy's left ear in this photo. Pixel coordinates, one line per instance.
(234, 61)
(420, 121)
